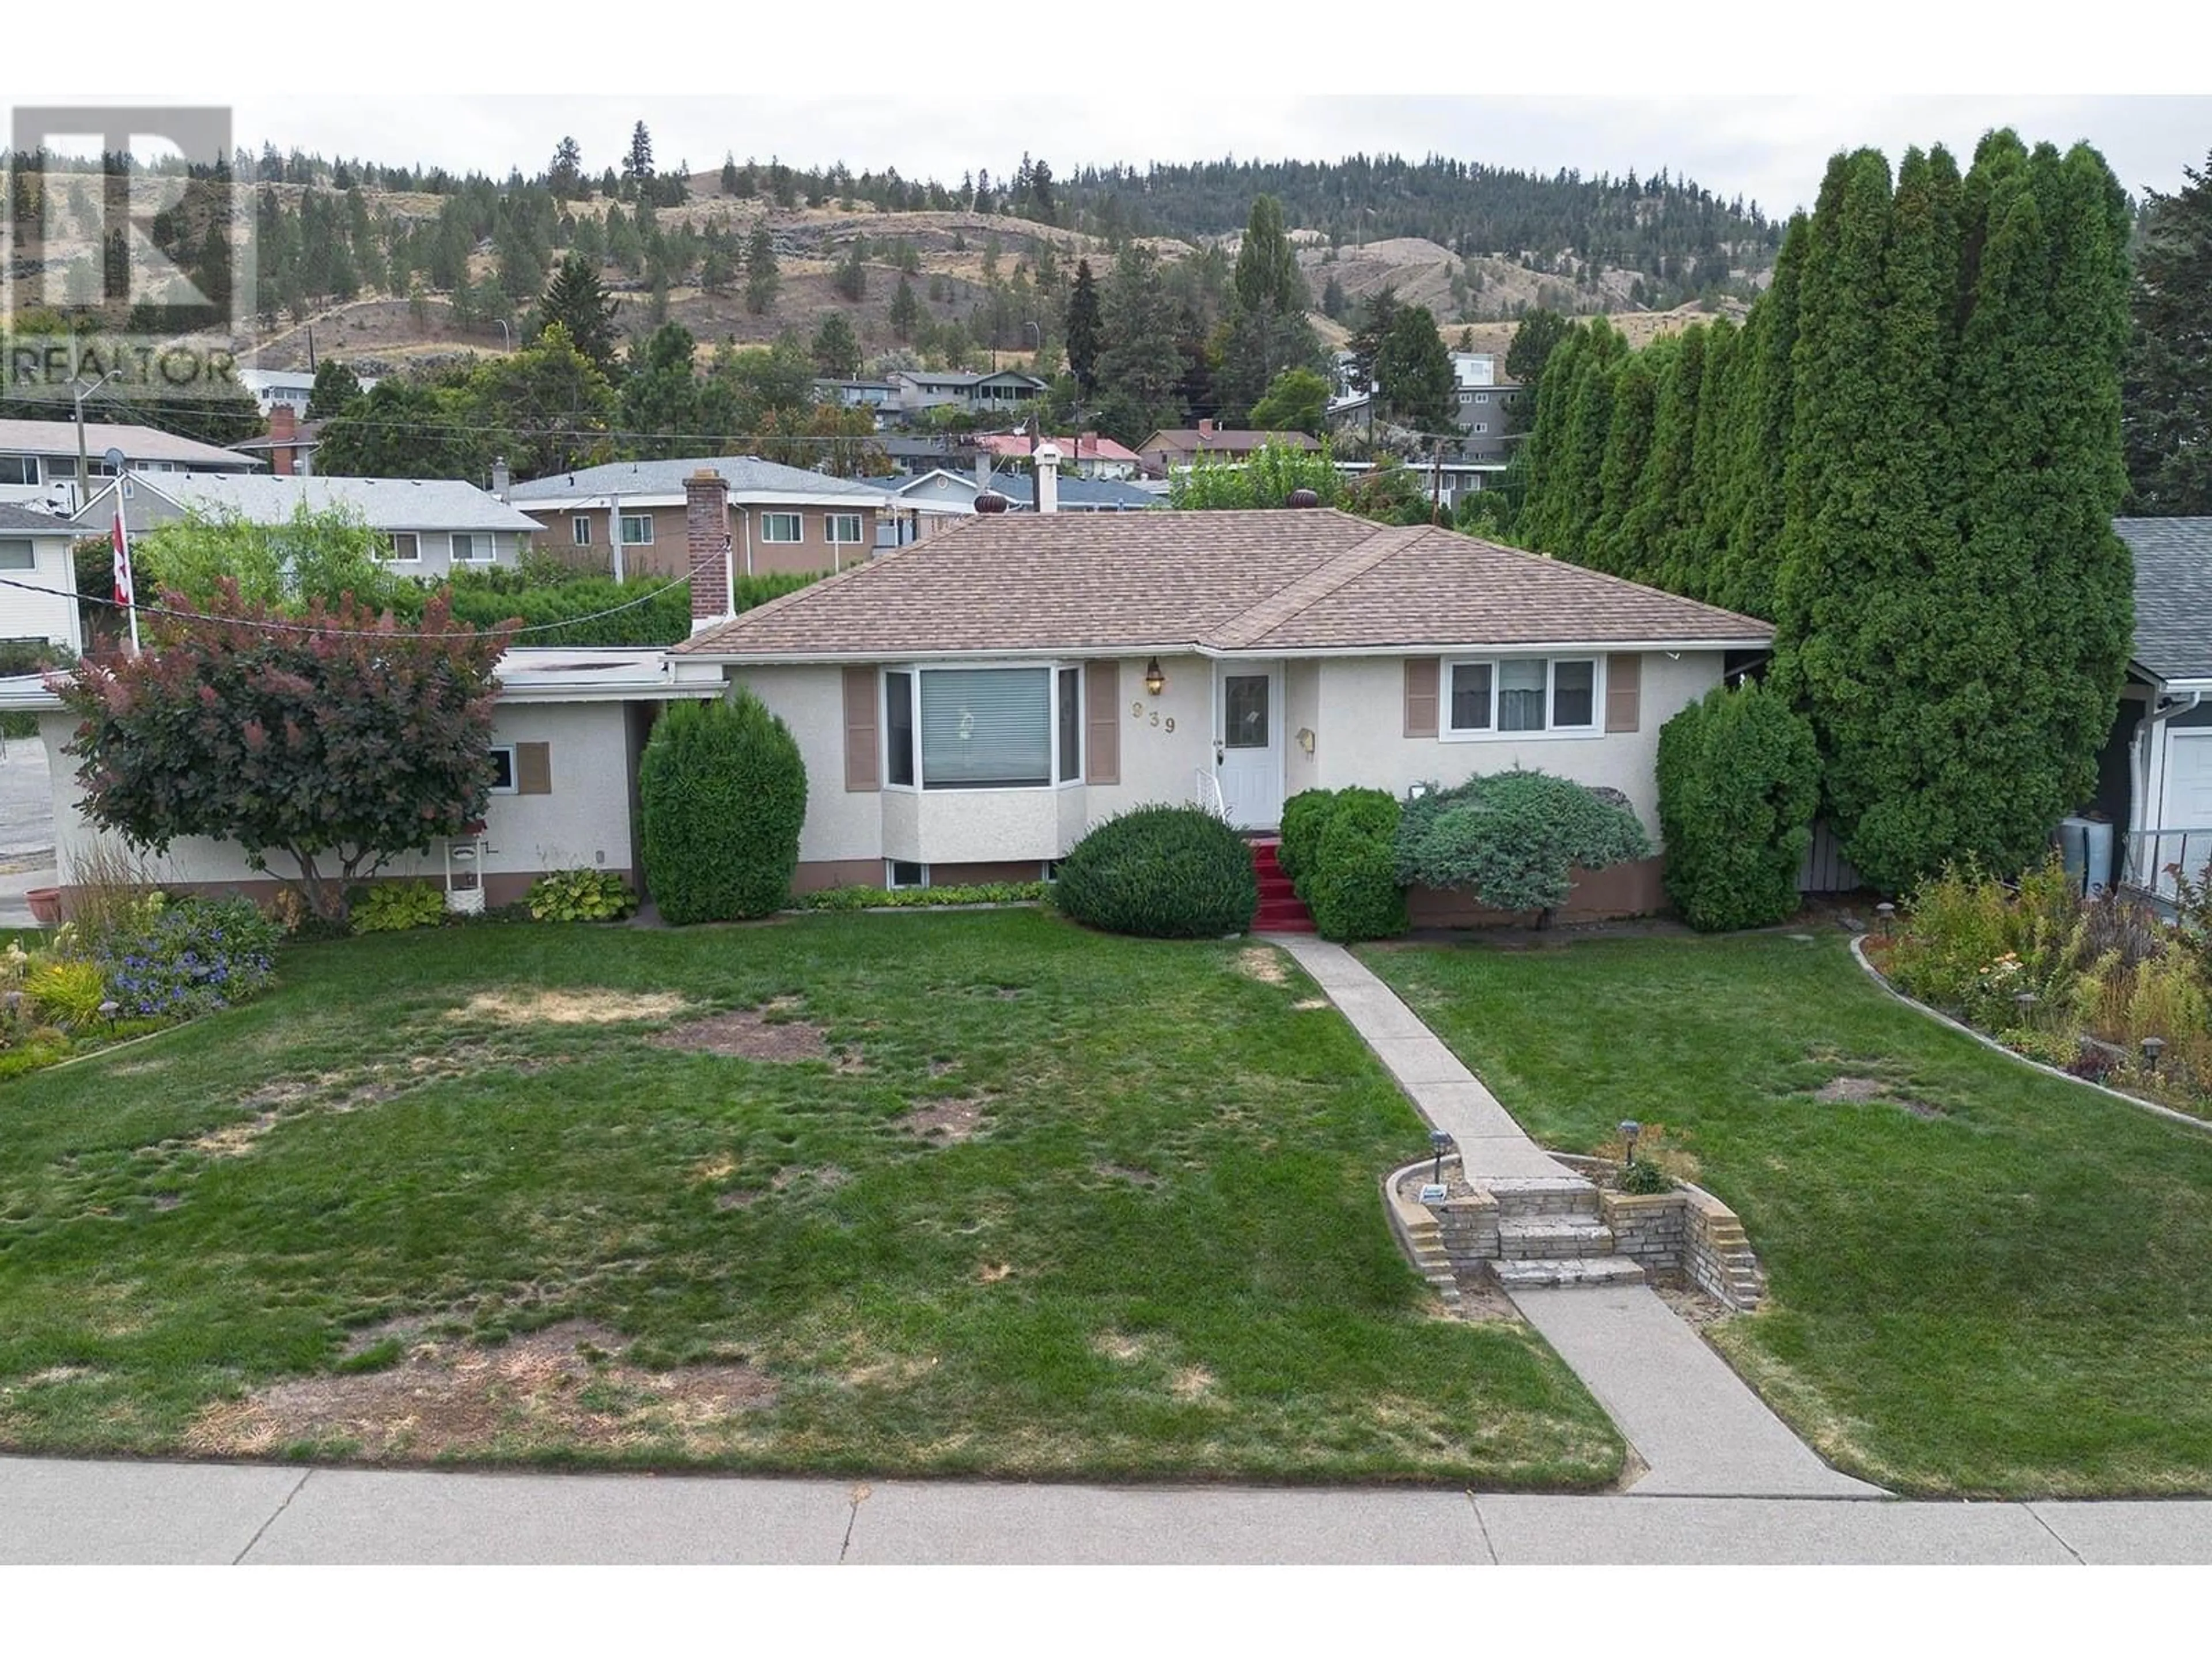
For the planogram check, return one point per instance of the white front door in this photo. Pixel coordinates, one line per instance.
(1247, 743)
(2188, 806)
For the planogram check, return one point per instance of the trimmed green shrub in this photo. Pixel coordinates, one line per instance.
(1160, 872)
(1353, 891)
(583, 894)
(1512, 837)
(1739, 780)
(1305, 815)
(722, 793)
(394, 907)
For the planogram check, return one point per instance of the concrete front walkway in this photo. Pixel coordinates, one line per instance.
(60, 1511)
(1693, 1421)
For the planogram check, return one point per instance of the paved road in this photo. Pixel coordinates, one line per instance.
(62, 1511)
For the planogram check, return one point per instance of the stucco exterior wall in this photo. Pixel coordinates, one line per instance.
(1159, 765)
(584, 820)
(1360, 735)
(1301, 713)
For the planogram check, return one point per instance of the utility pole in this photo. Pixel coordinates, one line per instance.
(80, 392)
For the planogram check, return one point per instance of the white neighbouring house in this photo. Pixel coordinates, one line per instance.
(569, 728)
(38, 578)
(969, 706)
(433, 525)
(38, 459)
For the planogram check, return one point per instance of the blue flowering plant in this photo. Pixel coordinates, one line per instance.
(194, 956)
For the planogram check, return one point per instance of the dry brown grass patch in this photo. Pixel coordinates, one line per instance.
(1263, 963)
(601, 1007)
(562, 1385)
(941, 1122)
(1191, 1383)
(235, 1139)
(1308, 1004)
(992, 1272)
(1115, 1346)
(747, 1033)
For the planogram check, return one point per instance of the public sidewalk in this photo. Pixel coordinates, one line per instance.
(54, 1511)
(1696, 1423)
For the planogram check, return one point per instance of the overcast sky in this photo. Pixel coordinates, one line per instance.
(1770, 149)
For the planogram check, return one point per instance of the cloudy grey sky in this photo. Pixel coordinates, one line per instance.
(1770, 149)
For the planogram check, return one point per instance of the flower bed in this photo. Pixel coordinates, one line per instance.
(2105, 990)
(136, 964)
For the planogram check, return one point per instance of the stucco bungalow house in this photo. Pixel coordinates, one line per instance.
(566, 733)
(969, 705)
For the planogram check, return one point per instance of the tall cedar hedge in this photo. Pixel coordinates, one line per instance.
(1908, 458)
(721, 794)
(1739, 778)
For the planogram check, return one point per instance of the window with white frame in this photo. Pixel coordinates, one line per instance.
(982, 728)
(781, 527)
(1482, 397)
(580, 529)
(845, 529)
(472, 547)
(1479, 426)
(1520, 694)
(637, 529)
(502, 769)
(406, 547)
(18, 555)
(19, 469)
(903, 872)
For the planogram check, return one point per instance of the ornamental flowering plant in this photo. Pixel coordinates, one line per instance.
(192, 957)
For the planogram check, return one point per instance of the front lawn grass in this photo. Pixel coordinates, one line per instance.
(1985, 1281)
(423, 1201)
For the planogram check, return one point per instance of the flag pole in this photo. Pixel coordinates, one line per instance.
(119, 540)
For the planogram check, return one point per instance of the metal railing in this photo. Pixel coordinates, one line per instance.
(2153, 856)
(1205, 792)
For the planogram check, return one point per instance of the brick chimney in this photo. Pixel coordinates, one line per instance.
(1205, 429)
(283, 429)
(707, 543)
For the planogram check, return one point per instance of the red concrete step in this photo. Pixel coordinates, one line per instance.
(1280, 909)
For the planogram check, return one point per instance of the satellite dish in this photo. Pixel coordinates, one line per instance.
(116, 460)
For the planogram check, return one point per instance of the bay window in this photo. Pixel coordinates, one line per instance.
(982, 728)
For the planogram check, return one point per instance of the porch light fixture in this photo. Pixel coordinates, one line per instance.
(1155, 681)
(1306, 738)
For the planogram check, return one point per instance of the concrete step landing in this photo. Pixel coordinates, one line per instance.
(1565, 1272)
(1554, 1236)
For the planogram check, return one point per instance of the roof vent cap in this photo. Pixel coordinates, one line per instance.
(990, 501)
(1303, 498)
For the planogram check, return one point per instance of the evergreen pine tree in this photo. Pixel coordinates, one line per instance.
(837, 349)
(1083, 328)
(762, 278)
(1620, 475)
(1759, 434)
(335, 388)
(2168, 392)
(906, 310)
(576, 301)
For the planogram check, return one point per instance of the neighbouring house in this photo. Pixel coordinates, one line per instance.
(38, 578)
(628, 517)
(917, 390)
(970, 705)
(855, 394)
(289, 446)
(286, 388)
(569, 726)
(433, 525)
(1087, 455)
(1483, 401)
(937, 499)
(1168, 449)
(38, 459)
(2154, 775)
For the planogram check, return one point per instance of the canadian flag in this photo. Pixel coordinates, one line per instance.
(121, 542)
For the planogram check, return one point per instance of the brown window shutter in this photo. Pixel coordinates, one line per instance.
(1101, 722)
(1423, 675)
(1624, 692)
(862, 751)
(533, 769)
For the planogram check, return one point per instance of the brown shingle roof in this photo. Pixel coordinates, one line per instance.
(1279, 582)
(1223, 437)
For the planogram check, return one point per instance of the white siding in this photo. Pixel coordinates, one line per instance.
(51, 612)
